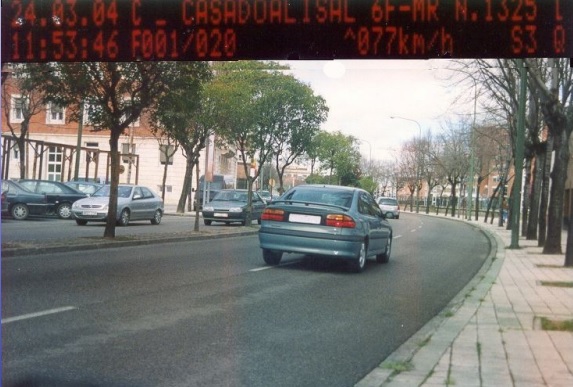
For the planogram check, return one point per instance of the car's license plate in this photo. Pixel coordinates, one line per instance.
(220, 215)
(89, 213)
(300, 218)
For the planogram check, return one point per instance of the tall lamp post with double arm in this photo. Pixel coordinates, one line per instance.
(417, 157)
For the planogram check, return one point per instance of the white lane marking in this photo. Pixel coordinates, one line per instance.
(260, 268)
(37, 314)
(270, 267)
(413, 230)
(397, 236)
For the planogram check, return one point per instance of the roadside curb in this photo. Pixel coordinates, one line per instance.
(63, 246)
(421, 353)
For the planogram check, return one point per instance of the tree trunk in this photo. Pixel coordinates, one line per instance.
(411, 201)
(500, 200)
(186, 189)
(112, 208)
(164, 181)
(21, 141)
(526, 192)
(428, 199)
(537, 174)
(453, 198)
(544, 203)
(558, 178)
(476, 209)
(569, 250)
(490, 203)
(196, 167)
(249, 214)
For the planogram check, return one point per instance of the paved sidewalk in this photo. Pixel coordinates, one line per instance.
(492, 336)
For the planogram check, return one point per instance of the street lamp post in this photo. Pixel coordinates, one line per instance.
(370, 150)
(417, 156)
(472, 161)
(369, 158)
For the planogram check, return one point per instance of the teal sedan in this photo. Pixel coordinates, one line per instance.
(343, 223)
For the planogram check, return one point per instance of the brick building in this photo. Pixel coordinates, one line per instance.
(52, 143)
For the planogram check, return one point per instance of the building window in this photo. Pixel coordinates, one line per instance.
(18, 104)
(126, 158)
(166, 153)
(55, 157)
(55, 114)
(224, 164)
(168, 188)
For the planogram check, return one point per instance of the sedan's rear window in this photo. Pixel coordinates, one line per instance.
(338, 198)
(389, 202)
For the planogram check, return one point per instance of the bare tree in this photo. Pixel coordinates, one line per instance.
(116, 95)
(492, 147)
(454, 159)
(409, 168)
(558, 115)
(22, 99)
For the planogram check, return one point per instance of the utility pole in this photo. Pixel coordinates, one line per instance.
(79, 142)
(472, 160)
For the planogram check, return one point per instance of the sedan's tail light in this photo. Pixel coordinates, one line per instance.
(273, 214)
(339, 220)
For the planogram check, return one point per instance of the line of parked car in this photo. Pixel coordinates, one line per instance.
(82, 201)
(343, 223)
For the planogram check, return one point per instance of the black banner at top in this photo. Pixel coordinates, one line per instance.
(130, 30)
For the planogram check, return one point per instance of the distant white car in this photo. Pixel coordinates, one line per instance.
(134, 202)
(390, 207)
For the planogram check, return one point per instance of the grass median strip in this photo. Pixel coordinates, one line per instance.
(556, 325)
(557, 284)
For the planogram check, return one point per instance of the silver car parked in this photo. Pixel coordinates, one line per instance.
(390, 207)
(134, 202)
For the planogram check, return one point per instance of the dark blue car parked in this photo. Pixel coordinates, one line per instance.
(60, 196)
(19, 202)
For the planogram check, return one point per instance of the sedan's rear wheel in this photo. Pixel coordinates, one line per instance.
(81, 222)
(156, 217)
(124, 218)
(207, 222)
(20, 211)
(359, 262)
(271, 257)
(385, 256)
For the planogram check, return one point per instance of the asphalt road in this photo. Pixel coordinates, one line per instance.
(211, 313)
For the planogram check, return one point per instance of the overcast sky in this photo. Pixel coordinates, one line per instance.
(362, 95)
